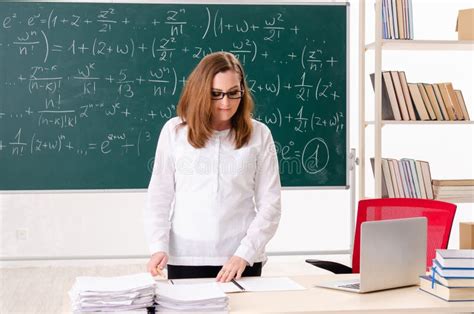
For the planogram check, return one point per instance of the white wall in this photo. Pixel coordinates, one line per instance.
(110, 224)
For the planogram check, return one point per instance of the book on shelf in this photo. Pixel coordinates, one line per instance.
(436, 288)
(399, 93)
(406, 95)
(416, 181)
(397, 183)
(390, 109)
(447, 101)
(397, 18)
(455, 258)
(454, 182)
(403, 21)
(451, 196)
(384, 182)
(406, 25)
(386, 26)
(426, 101)
(410, 18)
(388, 178)
(418, 101)
(420, 179)
(394, 19)
(462, 104)
(400, 19)
(406, 101)
(405, 178)
(439, 98)
(434, 102)
(426, 173)
(455, 199)
(387, 185)
(454, 190)
(454, 99)
(409, 177)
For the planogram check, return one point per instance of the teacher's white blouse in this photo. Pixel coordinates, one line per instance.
(205, 205)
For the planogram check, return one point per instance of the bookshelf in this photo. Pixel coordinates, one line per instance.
(384, 122)
(446, 45)
(402, 47)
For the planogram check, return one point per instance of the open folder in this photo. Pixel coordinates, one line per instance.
(247, 284)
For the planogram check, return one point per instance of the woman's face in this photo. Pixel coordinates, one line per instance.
(226, 94)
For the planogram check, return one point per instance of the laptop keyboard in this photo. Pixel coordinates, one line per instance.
(355, 286)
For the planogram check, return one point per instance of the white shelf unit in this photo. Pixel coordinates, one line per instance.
(378, 46)
(384, 122)
(390, 44)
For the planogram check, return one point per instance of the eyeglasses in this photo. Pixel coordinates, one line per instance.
(233, 94)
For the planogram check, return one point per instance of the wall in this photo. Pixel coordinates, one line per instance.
(102, 223)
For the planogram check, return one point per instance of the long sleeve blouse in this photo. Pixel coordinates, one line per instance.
(205, 205)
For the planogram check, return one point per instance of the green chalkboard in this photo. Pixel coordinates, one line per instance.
(85, 88)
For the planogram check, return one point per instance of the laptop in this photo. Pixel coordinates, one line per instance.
(392, 255)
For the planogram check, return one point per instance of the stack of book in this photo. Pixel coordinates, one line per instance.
(454, 190)
(419, 101)
(397, 19)
(452, 276)
(405, 178)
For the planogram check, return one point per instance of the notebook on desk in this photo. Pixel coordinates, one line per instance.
(392, 255)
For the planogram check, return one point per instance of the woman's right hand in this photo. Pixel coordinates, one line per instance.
(157, 262)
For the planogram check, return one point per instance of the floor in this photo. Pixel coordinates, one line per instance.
(42, 286)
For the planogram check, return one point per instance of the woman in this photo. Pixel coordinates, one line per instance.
(214, 195)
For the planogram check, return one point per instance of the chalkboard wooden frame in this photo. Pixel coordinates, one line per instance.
(343, 185)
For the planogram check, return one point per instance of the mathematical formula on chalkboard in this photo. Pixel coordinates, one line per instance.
(87, 87)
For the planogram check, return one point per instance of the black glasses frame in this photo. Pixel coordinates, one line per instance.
(228, 94)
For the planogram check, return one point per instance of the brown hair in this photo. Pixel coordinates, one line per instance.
(195, 104)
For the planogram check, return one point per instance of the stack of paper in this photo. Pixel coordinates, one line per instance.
(122, 293)
(204, 297)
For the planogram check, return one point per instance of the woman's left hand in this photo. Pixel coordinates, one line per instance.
(233, 268)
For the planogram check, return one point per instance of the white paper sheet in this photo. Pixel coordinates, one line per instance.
(269, 284)
(108, 284)
(256, 284)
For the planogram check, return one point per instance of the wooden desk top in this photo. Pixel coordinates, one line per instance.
(315, 299)
(44, 290)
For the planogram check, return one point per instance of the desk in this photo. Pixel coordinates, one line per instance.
(408, 299)
(44, 290)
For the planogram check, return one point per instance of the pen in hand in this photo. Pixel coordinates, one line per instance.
(160, 272)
